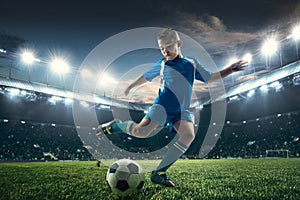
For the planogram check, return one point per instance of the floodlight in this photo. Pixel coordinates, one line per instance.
(56, 98)
(23, 92)
(296, 79)
(269, 47)
(247, 57)
(277, 85)
(104, 107)
(60, 66)
(68, 100)
(296, 32)
(251, 93)
(264, 88)
(235, 97)
(13, 91)
(51, 101)
(28, 57)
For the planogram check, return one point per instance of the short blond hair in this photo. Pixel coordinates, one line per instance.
(168, 34)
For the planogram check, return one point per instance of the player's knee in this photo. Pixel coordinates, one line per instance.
(191, 136)
(135, 131)
(187, 138)
(139, 132)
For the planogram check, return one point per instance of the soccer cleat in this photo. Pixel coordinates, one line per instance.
(161, 178)
(106, 128)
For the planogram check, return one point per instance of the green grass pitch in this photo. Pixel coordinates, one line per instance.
(195, 179)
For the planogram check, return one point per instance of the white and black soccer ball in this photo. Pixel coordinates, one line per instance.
(125, 176)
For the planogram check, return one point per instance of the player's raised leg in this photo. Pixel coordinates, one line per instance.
(140, 130)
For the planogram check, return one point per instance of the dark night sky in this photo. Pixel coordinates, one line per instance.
(77, 27)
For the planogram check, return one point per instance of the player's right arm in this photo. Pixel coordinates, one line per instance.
(141, 80)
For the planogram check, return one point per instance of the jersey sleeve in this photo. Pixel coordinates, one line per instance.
(202, 74)
(153, 72)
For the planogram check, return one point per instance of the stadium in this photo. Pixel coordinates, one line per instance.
(49, 149)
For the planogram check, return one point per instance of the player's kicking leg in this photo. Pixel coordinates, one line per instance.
(140, 130)
(106, 128)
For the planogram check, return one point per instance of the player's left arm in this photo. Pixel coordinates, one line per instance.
(235, 67)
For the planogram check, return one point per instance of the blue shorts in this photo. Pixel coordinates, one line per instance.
(158, 115)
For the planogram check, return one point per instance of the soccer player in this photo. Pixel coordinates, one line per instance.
(172, 105)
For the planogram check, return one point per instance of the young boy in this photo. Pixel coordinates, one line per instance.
(173, 102)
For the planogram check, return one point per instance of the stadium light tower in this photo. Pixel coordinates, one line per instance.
(247, 57)
(251, 93)
(269, 48)
(296, 37)
(296, 32)
(59, 66)
(28, 57)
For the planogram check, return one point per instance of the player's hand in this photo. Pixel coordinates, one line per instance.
(238, 66)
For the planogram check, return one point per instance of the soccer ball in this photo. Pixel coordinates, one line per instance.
(125, 177)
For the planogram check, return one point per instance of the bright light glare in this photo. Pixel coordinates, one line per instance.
(264, 88)
(235, 97)
(56, 98)
(247, 57)
(251, 93)
(86, 73)
(232, 60)
(269, 47)
(68, 100)
(296, 32)
(84, 104)
(59, 66)
(108, 79)
(277, 85)
(28, 57)
(23, 92)
(13, 91)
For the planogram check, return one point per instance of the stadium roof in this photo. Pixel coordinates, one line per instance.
(41, 88)
(274, 75)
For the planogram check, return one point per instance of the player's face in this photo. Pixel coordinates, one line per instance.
(169, 49)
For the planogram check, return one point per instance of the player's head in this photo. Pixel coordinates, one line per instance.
(169, 43)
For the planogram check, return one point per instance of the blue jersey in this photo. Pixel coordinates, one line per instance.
(178, 76)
